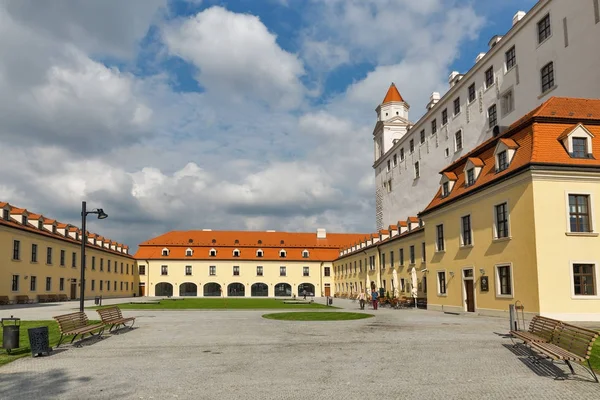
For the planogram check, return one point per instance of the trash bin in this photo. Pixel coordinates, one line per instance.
(98, 300)
(330, 301)
(10, 335)
(39, 341)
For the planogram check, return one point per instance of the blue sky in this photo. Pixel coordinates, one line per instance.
(190, 114)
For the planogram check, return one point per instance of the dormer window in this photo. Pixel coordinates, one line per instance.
(53, 228)
(580, 149)
(189, 252)
(282, 242)
(236, 253)
(447, 182)
(504, 153)
(237, 241)
(40, 224)
(304, 253)
(578, 142)
(24, 220)
(259, 253)
(259, 241)
(5, 214)
(165, 252)
(282, 253)
(470, 179)
(76, 235)
(212, 253)
(214, 241)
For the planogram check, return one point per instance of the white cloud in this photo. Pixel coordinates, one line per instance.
(237, 57)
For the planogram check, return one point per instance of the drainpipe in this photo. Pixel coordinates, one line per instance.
(321, 280)
(148, 281)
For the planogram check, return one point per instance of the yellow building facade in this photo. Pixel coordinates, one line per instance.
(40, 256)
(239, 263)
(515, 219)
(392, 260)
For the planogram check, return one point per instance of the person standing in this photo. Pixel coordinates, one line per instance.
(304, 293)
(374, 299)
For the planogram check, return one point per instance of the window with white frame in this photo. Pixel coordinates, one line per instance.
(259, 271)
(504, 280)
(470, 179)
(584, 280)
(389, 165)
(501, 220)
(282, 253)
(489, 77)
(395, 159)
(402, 154)
(439, 237)
(411, 146)
(457, 106)
(466, 234)
(547, 75)
(212, 253)
(188, 270)
(579, 213)
(236, 253)
(472, 94)
(507, 102)
(444, 116)
(212, 270)
(259, 253)
(165, 252)
(580, 148)
(501, 161)
(458, 142)
(447, 152)
(282, 271)
(417, 170)
(304, 253)
(412, 254)
(433, 126)
(441, 282)
(401, 255)
(445, 189)
(422, 136)
(305, 271)
(189, 252)
(164, 270)
(236, 270)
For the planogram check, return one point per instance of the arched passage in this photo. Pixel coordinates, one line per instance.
(163, 289)
(212, 289)
(283, 289)
(236, 289)
(309, 287)
(188, 289)
(259, 289)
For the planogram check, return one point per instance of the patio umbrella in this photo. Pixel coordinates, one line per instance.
(367, 284)
(395, 283)
(414, 284)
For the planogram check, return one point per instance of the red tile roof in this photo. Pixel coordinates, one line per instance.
(476, 161)
(536, 139)
(392, 95)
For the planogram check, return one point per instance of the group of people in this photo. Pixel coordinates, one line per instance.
(362, 299)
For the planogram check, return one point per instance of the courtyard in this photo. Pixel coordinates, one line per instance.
(238, 354)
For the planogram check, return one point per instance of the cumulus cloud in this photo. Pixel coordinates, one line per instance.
(237, 57)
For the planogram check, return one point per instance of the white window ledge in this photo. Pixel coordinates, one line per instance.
(505, 296)
(584, 297)
(504, 239)
(467, 246)
(442, 294)
(547, 91)
(583, 234)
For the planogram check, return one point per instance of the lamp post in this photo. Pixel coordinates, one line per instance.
(84, 213)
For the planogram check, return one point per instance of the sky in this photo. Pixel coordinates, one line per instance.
(226, 115)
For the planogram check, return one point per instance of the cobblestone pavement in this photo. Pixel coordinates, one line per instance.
(398, 354)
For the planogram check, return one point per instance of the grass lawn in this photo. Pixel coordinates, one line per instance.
(317, 316)
(219, 303)
(24, 350)
(595, 358)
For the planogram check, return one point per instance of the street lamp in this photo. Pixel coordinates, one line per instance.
(84, 213)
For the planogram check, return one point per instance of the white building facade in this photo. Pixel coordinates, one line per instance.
(550, 51)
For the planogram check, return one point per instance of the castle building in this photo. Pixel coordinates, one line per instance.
(547, 52)
(40, 260)
(206, 263)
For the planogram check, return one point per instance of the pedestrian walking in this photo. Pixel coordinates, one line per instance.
(374, 299)
(304, 294)
(361, 300)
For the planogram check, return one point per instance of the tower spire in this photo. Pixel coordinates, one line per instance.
(392, 95)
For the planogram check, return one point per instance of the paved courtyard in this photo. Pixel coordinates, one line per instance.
(399, 354)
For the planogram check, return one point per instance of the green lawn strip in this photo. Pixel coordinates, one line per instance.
(24, 350)
(317, 316)
(218, 303)
(595, 357)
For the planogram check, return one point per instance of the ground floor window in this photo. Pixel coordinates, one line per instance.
(283, 289)
(309, 287)
(15, 283)
(212, 289)
(441, 282)
(161, 289)
(188, 289)
(236, 289)
(259, 290)
(504, 280)
(584, 280)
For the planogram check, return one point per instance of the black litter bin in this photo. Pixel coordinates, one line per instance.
(10, 335)
(39, 341)
(98, 300)
(330, 301)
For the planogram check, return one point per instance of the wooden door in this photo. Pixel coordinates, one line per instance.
(142, 291)
(73, 290)
(470, 295)
(327, 291)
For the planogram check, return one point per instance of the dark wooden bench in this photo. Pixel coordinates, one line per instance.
(63, 297)
(112, 316)
(569, 343)
(53, 297)
(4, 300)
(23, 299)
(44, 298)
(76, 324)
(540, 330)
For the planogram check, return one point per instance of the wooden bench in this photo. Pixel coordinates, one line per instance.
(4, 300)
(53, 297)
(23, 299)
(540, 330)
(63, 297)
(44, 298)
(112, 316)
(76, 324)
(569, 343)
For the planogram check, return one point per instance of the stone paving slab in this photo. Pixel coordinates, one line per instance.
(398, 354)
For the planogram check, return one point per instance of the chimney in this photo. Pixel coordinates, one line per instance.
(270, 230)
(494, 41)
(206, 230)
(451, 78)
(479, 57)
(518, 16)
(433, 100)
(321, 233)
